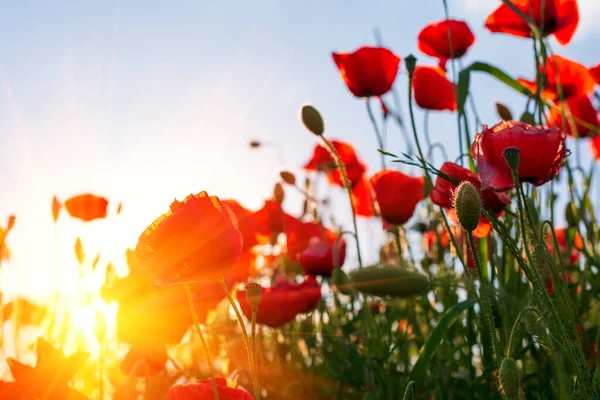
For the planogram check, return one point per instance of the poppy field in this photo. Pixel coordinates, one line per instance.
(486, 279)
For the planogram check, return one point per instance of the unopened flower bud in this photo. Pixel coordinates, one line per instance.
(571, 214)
(254, 144)
(509, 379)
(512, 155)
(411, 63)
(467, 204)
(288, 177)
(503, 112)
(312, 120)
(253, 294)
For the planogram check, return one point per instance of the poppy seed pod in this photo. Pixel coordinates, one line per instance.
(512, 155)
(467, 204)
(253, 294)
(288, 177)
(312, 120)
(509, 379)
(411, 62)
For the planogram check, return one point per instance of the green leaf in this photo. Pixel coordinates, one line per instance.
(436, 337)
(464, 80)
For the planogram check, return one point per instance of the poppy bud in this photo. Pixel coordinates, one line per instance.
(312, 120)
(341, 282)
(512, 155)
(56, 206)
(503, 112)
(509, 379)
(388, 281)
(79, 251)
(467, 205)
(254, 144)
(278, 193)
(528, 118)
(253, 294)
(571, 214)
(411, 62)
(11, 222)
(288, 177)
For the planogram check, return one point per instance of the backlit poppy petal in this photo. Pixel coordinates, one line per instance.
(581, 109)
(369, 71)
(433, 91)
(397, 194)
(434, 39)
(86, 207)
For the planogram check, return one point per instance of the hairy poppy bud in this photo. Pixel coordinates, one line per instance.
(254, 144)
(388, 281)
(503, 112)
(411, 62)
(312, 120)
(278, 193)
(253, 294)
(512, 155)
(288, 177)
(571, 214)
(509, 379)
(528, 118)
(467, 204)
(341, 281)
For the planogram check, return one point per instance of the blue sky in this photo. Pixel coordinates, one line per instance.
(146, 101)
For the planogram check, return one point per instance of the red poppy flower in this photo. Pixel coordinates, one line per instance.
(281, 303)
(271, 220)
(573, 78)
(542, 154)
(434, 39)
(198, 239)
(246, 222)
(143, 362)
(595, 71)
(560, 18)
(300, 235)
(322, 161)
(567, 240)
(443, 193)
(595, 144)
(49, 378)
(363, 198)
(433, 91)
(397, 194)
(369, 71)
(86, 207)
(580, 108)
(321, 256)
(204, 390)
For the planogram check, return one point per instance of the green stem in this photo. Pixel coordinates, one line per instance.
(377, 133)
(188, 294)
(484, 301)
(253, 345)
(244, 333)
(414, 126)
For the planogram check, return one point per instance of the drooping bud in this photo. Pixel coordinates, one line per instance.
(503, 112)
(253, 294)
(467, 204)
(528, 118)
(278, 193)
(312, 120)
(411, 63)
(254, 144)
(509, 379)
(571, 214)
(288, 177)
(512, 155)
